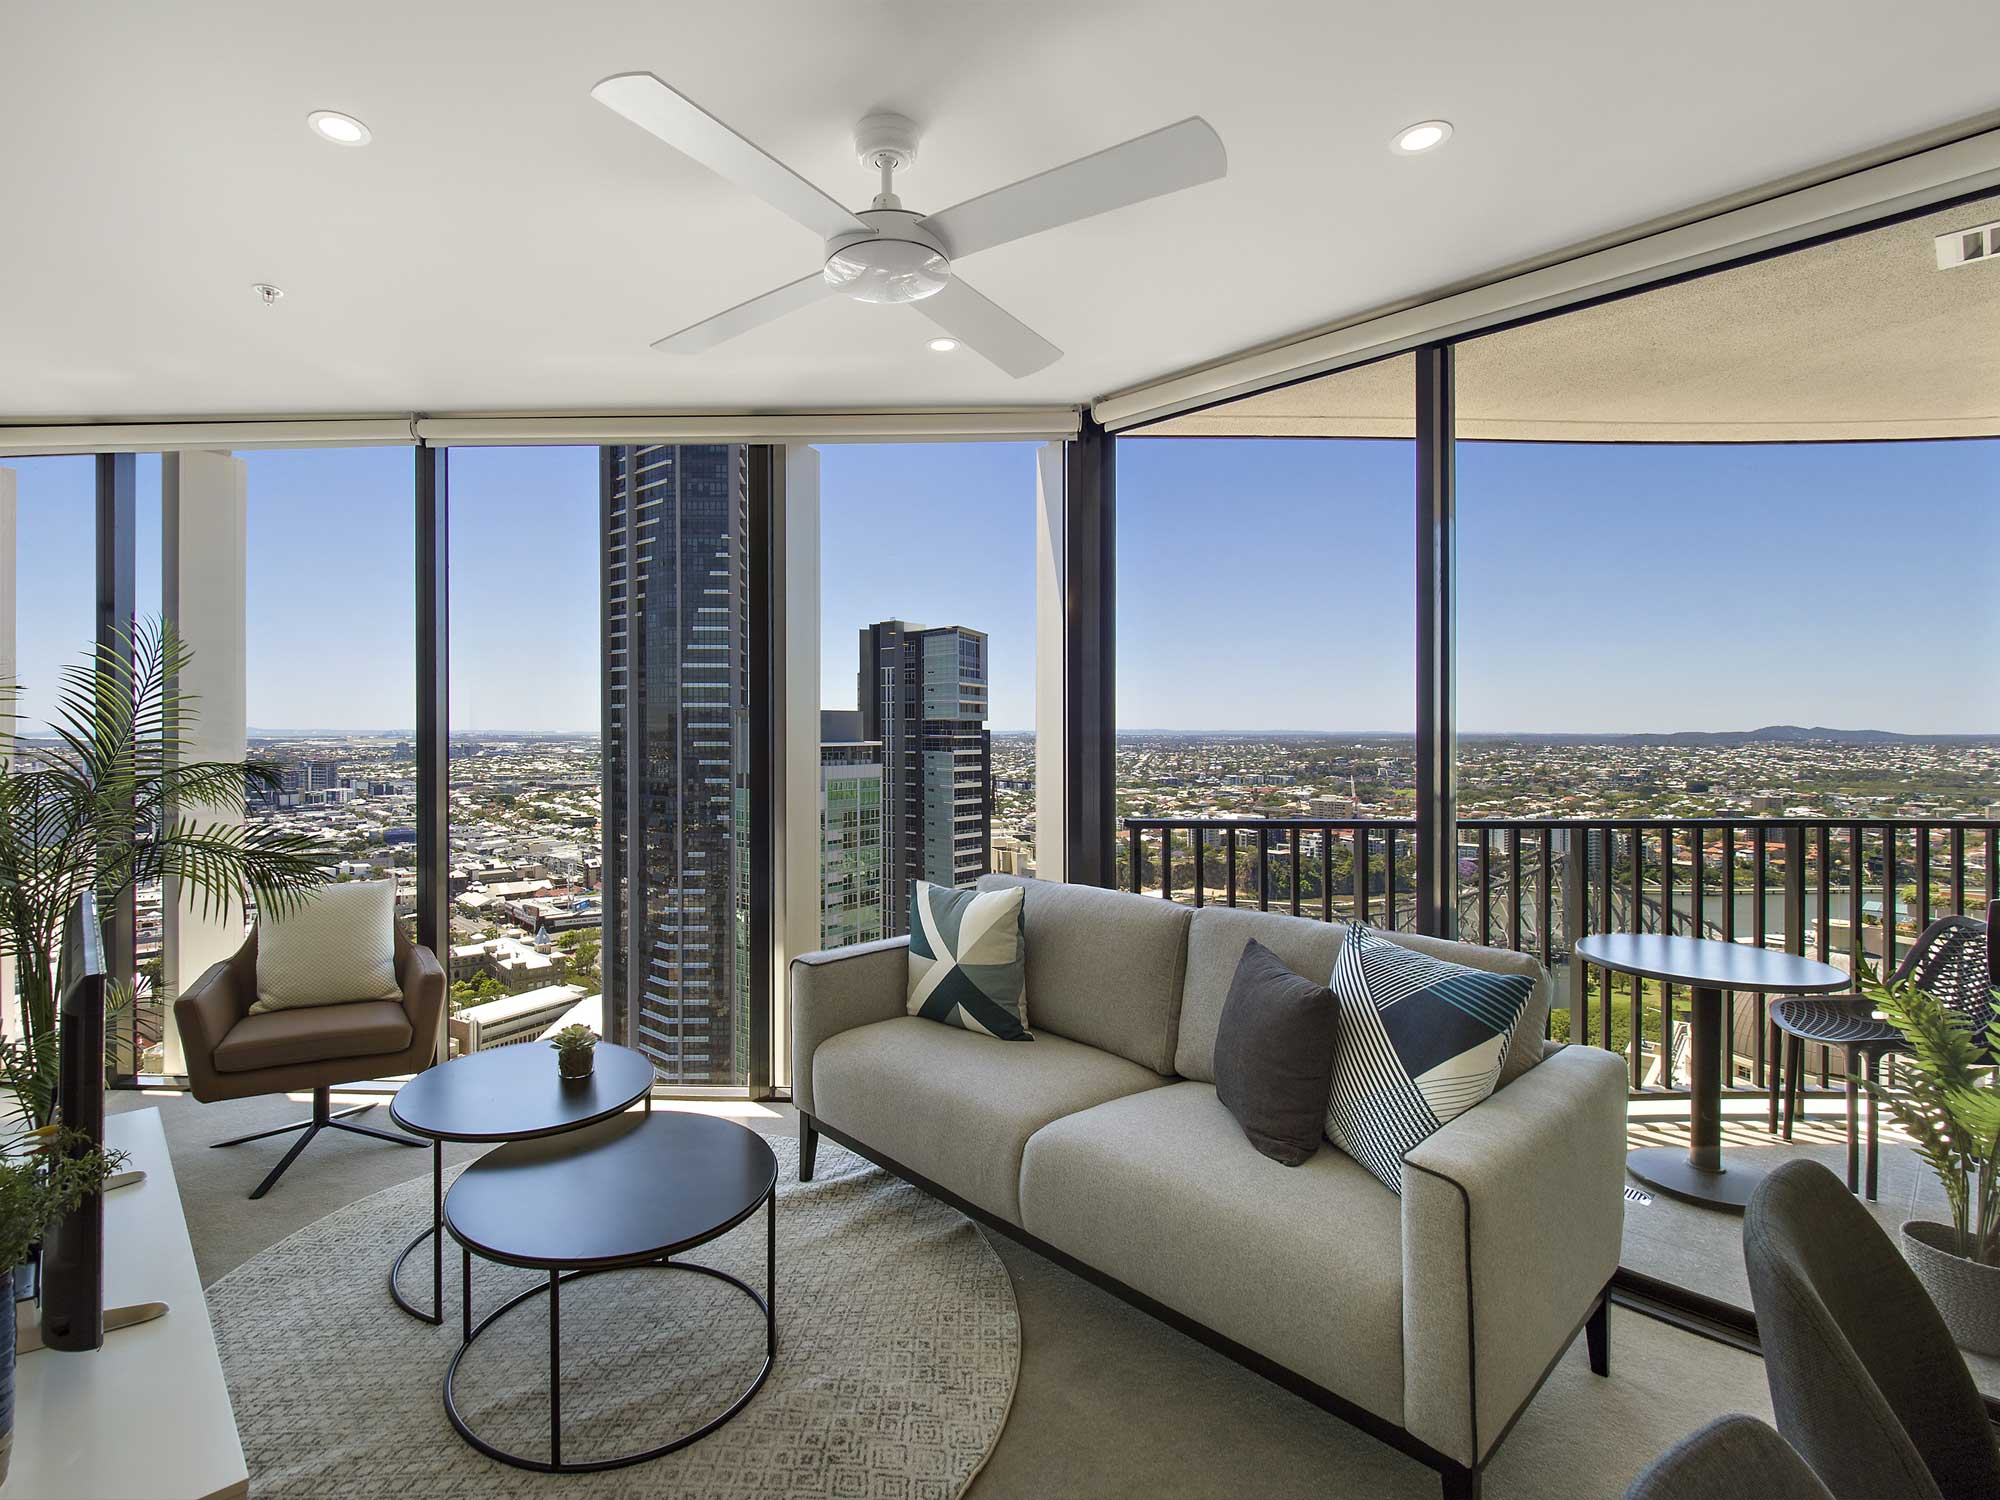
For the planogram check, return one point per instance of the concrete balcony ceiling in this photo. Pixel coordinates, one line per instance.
(1858, 338)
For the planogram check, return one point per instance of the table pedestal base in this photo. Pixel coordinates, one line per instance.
(1668, 1169)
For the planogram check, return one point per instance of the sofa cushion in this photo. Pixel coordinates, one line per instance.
(1104, 967)
(1308, 947)
(1274, 1056)
(958, 1107)
(1422, 1040)
(1304, 1265)
(315, 1033)
(965, 960)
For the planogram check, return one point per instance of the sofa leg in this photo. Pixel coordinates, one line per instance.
(1460, 1483)
(808, 1146)
(1597, 1333)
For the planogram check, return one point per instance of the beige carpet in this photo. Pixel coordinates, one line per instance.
(1109, 1403)
(898, 1344)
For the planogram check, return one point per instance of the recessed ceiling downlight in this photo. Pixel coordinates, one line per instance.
(1425, 135)
(342, 130)
(942, 346)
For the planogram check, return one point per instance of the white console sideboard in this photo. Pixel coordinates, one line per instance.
(147, 1417)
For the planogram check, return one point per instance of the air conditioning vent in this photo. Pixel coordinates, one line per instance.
(1978, 246)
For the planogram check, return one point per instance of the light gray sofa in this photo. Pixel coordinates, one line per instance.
(1429, 1320)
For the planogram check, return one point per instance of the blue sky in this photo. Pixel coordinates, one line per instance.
(1261, 584)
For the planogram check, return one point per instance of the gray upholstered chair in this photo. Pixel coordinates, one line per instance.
(232, 1054)
(1865, 1381)
(1732, 1458)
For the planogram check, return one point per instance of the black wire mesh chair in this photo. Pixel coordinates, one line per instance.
(1951, 959)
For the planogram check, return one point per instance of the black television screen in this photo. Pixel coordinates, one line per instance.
(73, 1251)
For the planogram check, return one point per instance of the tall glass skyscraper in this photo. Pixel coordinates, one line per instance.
(922, 693)
(676, 757)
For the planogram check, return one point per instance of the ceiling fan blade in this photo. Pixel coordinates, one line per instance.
(1169, 159)
(745, 316)
(691, 130)
(988, 329)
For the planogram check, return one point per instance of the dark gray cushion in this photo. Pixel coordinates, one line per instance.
(1274, 1055)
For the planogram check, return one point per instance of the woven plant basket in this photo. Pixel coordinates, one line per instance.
(1966, 1292)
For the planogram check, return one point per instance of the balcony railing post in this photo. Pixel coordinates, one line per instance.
(1576, 924)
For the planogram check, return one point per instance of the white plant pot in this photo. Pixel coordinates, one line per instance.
(1967, 1293)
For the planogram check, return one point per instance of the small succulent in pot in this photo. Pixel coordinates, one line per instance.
(576, 1050)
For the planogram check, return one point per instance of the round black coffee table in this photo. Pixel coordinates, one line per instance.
(1708, 968)
(629, 1192)
(509, 1094)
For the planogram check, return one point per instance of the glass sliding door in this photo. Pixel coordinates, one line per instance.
(1728, 613)
(526, 774)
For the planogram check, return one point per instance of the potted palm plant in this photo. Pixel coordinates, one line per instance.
(1949, 1104)
(110, 801)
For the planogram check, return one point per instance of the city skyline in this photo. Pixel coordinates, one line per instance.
(1722, 619)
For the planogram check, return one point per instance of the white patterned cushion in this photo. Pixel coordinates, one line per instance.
(1420, 1041)
(339, 946)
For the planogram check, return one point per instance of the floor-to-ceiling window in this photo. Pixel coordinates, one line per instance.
(927, 674)
(48, 580)
(679, 836)
(1266, 652)
(527, 915)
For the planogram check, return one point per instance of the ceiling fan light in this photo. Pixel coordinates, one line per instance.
(887, 270)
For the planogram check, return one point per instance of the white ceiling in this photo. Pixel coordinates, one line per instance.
(506, 244)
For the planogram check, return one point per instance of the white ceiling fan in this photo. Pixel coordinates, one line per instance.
(885, 252)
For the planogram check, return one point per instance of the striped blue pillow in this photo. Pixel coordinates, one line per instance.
(1421, 1040)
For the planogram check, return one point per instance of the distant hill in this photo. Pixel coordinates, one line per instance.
(1787, 734)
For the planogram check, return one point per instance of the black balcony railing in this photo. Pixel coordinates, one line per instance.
(1536, 885)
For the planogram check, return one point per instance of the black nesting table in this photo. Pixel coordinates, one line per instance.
(633, 1191)
(1708, 968)
(509, 1094)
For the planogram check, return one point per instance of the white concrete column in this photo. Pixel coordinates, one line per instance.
(796, 777)
(1051, 623)
(204, 514)
(9, 669)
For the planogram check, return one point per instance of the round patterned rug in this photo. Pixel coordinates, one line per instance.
(898, 1349)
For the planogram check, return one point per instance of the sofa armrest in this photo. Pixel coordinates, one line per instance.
(203, 1013)
(1512, 1219)
(837, 990)
(422, 979)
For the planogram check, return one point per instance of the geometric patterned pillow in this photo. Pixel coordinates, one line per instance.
(338, 946)
(968, 964)
(1421, 1040)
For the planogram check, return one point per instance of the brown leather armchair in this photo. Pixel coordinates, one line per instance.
(232, 1054)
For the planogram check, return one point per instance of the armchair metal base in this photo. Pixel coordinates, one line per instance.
(323, 1118)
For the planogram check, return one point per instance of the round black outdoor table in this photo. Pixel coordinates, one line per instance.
(1708, 968)
(630, 1192)
(509, 1094)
